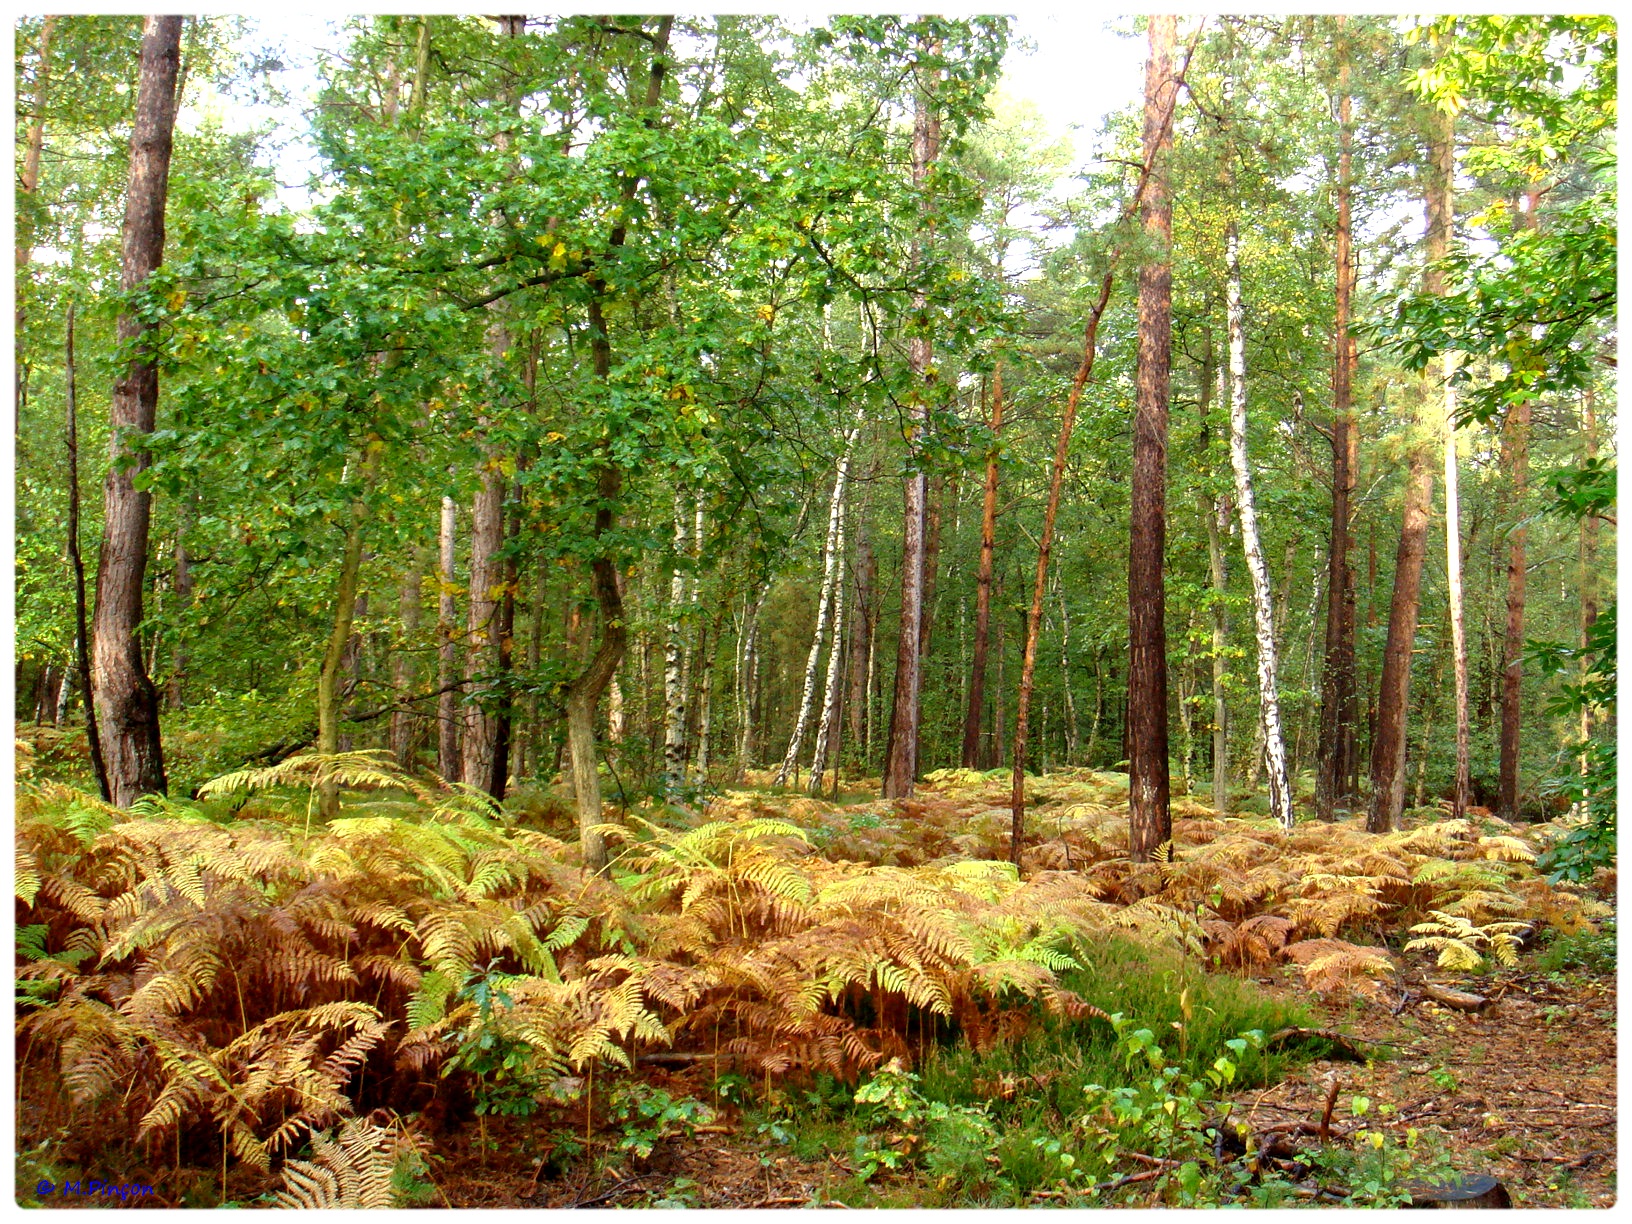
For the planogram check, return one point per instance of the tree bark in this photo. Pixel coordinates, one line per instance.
(832, 572)
(1394, 689)
(674, 689)
(901, 768)
(345, 607)
(82, 656)
(1150, 819)
(1336, 751)
(1280, 787)
(983, 585)
(1444, 184)
(127, 705)
(1214, 514)
(484, 652)
(28, 183)
(826, 737)
(404, 670)
(447, 650)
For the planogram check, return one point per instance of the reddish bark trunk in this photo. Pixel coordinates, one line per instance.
(1394, 690)
(127, 704)
(1150, 820)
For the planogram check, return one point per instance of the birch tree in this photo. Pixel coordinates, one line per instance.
(1263, 609)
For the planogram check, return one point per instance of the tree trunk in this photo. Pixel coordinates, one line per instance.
(746, 655)
(82, 655)
(127, 705)
(1587, 552)
(1336, 750)
(1393, 698)
(447, 651)
(1065, 678)
(1214, 514)
(901, 768)
(345, 606)
(1394, 689)
(404, 667)
(28, 183)
(504, 716)
(832, 569)
(861, 629)
(826, 737)
(674, 688)
(1280, 787)
(1453, 572)
(983, 585)
(1150, 819)
(1444, 155)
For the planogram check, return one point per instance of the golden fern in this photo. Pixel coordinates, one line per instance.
(349, 1170)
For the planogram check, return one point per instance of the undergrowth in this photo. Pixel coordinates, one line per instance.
(238, 969)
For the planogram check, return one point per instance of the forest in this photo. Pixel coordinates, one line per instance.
(682, 611)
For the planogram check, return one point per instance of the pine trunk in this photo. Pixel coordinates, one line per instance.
(1394, 689)
(1150, 818)
(127, 705)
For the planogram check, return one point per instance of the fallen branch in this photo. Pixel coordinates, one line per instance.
(1349, 1045)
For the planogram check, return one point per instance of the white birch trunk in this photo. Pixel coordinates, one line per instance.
(1453, 569)
(744, 691)
(674, 689)
(830, 706)
(1280, 789)
(813, 662)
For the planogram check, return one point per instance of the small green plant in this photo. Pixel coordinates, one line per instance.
(503, 1064)
(649, 1115)
(1165, 1111)
(1590, 951)
(907, 1129)
(1378, 1169)
(1442, 1077)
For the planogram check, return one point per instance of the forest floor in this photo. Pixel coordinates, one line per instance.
(1523, 1090)
(1490, 1087)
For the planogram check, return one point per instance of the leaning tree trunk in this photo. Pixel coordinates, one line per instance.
(901, 767)
(832, 565)
(334, 657)
(983, 585)
(82, 656)
(1150, 818)
(1336, 748)
(1280, 787)
(127, 705)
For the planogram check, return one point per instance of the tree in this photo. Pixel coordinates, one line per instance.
(1149, 815)
(1336, 739)
(901, 769)
(127, 704)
